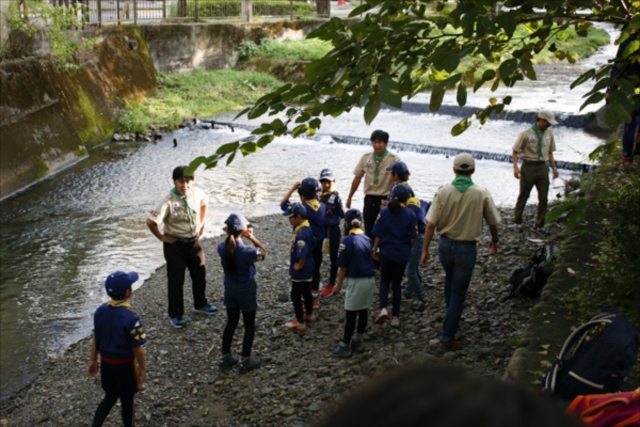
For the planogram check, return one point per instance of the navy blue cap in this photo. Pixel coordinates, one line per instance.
(118, 283)
(352, 214)
(237, 222)
(309, 184)
(327, 174)
(401, 192)
(398, 168)
(296, 209)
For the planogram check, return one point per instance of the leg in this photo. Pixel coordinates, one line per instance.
(363, 316)
(317, 259)
(198, 274)
(176, 265)
(127, 410)
(542, 186)
(370, 213)
(249, 320)
(233, 316)
(445, 254)
(526, 184)
(296, 295)
(386, 268)
(104, 408)
(334, 246)
(396, 287)
(349, 325)
(307, 297)
(414, 285)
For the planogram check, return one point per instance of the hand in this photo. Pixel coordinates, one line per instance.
(516, 172)
(297, 266)
(425, 258)
(555, 173)
(295, 186)
(376, 254)
(92, 370)
(493, 247)
(337, 288)
(168, 239)
(143, 374)
(348, 203)
(248, 232)
(384, 203)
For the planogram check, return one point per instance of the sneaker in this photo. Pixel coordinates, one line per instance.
(316, 304)
(312, 318)
(626, 161)
(450, 346)
(249, 364)
(395, 322)
(207, 309)
(327, 291)
(296, 326)
(381, 316)
(342, 350)
(357, 346)
(314, 294)
(178, 322)
(227, 362)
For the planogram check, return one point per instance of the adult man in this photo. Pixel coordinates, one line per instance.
(377, 180)
(535, 146)
(182, 213)
(456, 213)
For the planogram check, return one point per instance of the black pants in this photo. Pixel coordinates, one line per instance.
(301, 290)
(350, 323)
(370, 213)
(249, 320)
(316, 253)
(333, 234)
(181, 256)
(105, 407)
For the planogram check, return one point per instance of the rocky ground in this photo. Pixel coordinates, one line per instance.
(299, 379)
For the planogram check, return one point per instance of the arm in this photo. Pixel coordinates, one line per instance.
(138, 352)
(203, 215)
(376, 249)
(354, 186)
(248, 233)
(428, 235)
(290, 192)
(92, 370)
(516, 170)
(156, 232)
(298, 265)
(552, 162)
(493, 244)
(342, 273)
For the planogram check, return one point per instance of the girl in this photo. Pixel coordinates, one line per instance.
(395, 232)
(239, 290)
(356, 263)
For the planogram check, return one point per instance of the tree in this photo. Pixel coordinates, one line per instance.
(398, 49)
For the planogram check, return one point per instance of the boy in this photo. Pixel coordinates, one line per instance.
(301, 267)
(118, 337)
(308, 190)
(332, 202)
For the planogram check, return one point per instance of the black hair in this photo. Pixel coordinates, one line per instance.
(465, 173)
(404, 177)
(308, 195)
(230, 250)
(179, 173)
(380, 135)
(395, 206)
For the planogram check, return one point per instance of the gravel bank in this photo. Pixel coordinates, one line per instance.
(299, 379)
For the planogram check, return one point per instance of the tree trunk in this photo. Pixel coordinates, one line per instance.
(182, 8)
(323, 7)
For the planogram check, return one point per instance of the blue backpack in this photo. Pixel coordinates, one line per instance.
(597, 365)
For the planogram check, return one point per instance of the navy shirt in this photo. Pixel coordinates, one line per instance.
(356, 255)
(117, 330)
(315, 216)
(245, 259)
(395, 233)
(419, 209)
(333, 207)
(302, 243)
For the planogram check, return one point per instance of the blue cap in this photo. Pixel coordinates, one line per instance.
(352, 214)
(401, 192)
(309, 184)
(398, 168)
(118, 283)
(236, 222)
(327, 174)
(296, 209)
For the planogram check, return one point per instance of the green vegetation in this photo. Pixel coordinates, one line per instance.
(301, 50)
(233, 8)
(197, 94)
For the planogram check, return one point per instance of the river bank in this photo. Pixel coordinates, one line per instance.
(299, 380)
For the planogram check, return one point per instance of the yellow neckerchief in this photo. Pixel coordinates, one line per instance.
(356, 231)
(304, 223)
(329, 191)
(313, 204)
(119, 303)
(413, 201)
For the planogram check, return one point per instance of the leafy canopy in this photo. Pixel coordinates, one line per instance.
(399, 46)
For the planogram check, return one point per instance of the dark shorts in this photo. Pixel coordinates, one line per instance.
(243, 297)
(120, 378)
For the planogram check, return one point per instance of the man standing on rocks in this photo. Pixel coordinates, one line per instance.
(535, 146)
(182, 213)
(456, 213)
(377, 180)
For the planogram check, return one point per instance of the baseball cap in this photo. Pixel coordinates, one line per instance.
(295, 209)
(327, 174)
(117, 283)
(352, 214)
(464, 162)
(401, 192)
(236, 221)
(179, 173)
(309, 184)
(548, 116)
(398, 168)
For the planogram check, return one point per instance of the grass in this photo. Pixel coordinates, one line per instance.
(309, 49)
(197, 94)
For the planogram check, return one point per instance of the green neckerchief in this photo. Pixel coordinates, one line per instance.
(189, 208)
(462, 182)
(540, 136)
(378, 160)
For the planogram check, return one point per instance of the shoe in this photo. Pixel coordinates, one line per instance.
(295, 326)
(178, 322)
(450, 346)
(357, 346)
(395, 322)
(312, 318)
(249, 364)
(327, 291)
(314, 294)
(207, 309)
(381, 316)
(342, 350)
(316, 304)
(227, 362)
(626, 161)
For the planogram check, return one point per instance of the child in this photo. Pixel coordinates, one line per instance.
(395, 232)
(332, 202)
(308, 190)
(301, 267)
(356, 263)
(239, 291)
(399, 173)
(118, 337)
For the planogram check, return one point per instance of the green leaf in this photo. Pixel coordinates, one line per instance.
(615, 115)
(584, 77)
(632, 48)
(390, 92)
(507, 68)
(298, 130)
(248, 148)
(527, 69)
(264, 140)
(257, 111)
(507, 100)
(488, 75)
(461, 96)
(242, 113)
(195, 163)
(231, 157)
(437, 95)
(450, 62)
(460, 127)
(227, 148)
(593, 99)
(371, 109)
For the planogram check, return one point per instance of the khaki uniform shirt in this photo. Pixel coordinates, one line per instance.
(173, 213)
(367, 166)
(459, 215)
(527, 145)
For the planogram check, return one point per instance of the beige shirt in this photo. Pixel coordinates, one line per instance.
(367, 166)
(527, 145)
(459, 215)
(173, 213)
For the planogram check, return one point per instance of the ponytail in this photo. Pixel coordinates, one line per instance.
(395, 206)
(355, 223)
(230, 252)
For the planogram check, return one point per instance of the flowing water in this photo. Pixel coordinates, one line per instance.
(60, 238)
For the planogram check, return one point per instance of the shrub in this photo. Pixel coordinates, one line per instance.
(233, 8)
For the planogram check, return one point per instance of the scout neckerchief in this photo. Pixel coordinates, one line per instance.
(540, 136)
(304, 223)
(462, 182)
(313, 204)
(356, 231)
(378, 160)
(119, 303)
(189, 208)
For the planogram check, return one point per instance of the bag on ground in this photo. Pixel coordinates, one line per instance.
(605, 410)
(529, 280)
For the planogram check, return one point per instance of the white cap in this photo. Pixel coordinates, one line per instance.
(464, 162)
(548, 116)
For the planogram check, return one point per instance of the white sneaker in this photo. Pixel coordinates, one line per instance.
(381, 316)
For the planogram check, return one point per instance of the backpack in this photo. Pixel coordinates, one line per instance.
(603, 410)
(597, 365)
(530, 279)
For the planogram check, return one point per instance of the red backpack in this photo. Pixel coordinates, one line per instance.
(608, 410)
